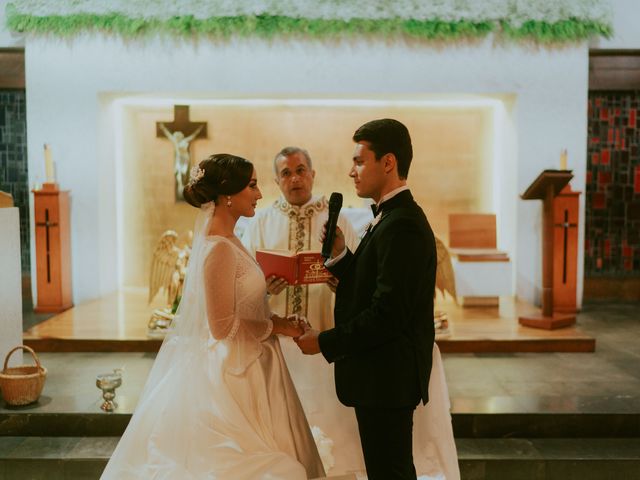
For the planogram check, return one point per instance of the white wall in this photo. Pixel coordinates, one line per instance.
(69, 84)
(626, 26)
(11, 281)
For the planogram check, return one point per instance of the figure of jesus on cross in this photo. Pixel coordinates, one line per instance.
(180, 133)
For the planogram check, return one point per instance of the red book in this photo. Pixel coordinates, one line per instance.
(296, 268)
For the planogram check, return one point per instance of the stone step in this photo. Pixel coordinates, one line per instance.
(549, 425)
(576, 343)
(465, 425)
(56, 458)
(97, 424)
(549, 458)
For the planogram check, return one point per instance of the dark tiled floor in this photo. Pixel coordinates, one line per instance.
(607, 381)
(601, 381)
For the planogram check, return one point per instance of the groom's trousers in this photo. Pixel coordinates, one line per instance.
(386, 435)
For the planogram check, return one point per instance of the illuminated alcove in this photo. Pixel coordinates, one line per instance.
(459, 157)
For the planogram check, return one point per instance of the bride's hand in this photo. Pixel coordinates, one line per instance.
(300, 321)
(289, 326)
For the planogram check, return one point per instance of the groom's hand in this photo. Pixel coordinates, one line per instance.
(339, 243)
(308, 342)
(332, 282)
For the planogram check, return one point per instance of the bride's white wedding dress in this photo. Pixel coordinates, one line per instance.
(225, 408)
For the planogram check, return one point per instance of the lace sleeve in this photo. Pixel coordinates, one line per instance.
(220, 291)
(269, 329)
(256, 321)
(267, 315)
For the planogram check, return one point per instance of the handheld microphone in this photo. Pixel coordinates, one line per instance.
(335, 204)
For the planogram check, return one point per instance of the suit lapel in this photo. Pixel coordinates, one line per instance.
(401, 199)
(363, 241)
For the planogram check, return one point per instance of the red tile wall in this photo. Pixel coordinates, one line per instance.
(612, 244)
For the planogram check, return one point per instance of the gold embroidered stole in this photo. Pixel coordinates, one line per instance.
(300, 226)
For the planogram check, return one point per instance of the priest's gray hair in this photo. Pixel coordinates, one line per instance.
(285, 152)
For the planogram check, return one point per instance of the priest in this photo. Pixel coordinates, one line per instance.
(293, 223)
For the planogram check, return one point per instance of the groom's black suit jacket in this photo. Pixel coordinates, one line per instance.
(383, 336)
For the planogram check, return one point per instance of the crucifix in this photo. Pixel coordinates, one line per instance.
(180, 133)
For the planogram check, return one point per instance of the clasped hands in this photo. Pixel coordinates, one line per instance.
(290, 326)
(300, 330)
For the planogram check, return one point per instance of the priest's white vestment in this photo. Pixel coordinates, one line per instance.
(283, 226)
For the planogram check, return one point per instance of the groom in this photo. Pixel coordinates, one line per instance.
(383, 337)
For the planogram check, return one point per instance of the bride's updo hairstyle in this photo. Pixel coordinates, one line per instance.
(220, 174)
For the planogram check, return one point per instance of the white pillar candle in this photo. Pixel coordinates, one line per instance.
(48, 164)
(563, 159)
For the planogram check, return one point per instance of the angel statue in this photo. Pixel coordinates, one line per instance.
(168, 270)
(446, 283)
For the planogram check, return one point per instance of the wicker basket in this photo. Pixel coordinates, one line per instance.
(23, 384)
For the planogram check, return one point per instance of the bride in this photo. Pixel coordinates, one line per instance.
(219, 401)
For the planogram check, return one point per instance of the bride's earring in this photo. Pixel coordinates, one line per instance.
(228, 201)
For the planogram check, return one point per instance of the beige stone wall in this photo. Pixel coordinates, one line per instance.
(451, 171)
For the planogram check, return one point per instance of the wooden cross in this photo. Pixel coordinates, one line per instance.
(47, 224)
(181, 123)
(565, 226)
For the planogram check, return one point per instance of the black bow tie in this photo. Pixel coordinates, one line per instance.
(374, 209)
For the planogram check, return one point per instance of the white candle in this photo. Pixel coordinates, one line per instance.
(48, 164)
(563, 159)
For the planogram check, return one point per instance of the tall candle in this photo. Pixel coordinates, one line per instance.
(563, 159)
(48, 164)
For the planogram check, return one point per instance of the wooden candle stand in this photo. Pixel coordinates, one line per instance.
(53, 249)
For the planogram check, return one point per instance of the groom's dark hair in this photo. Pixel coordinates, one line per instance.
(388, 136)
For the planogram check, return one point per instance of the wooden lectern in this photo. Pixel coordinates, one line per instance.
(546, 187)
(53, 252)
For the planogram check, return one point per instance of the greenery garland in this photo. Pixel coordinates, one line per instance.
(270, 26)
